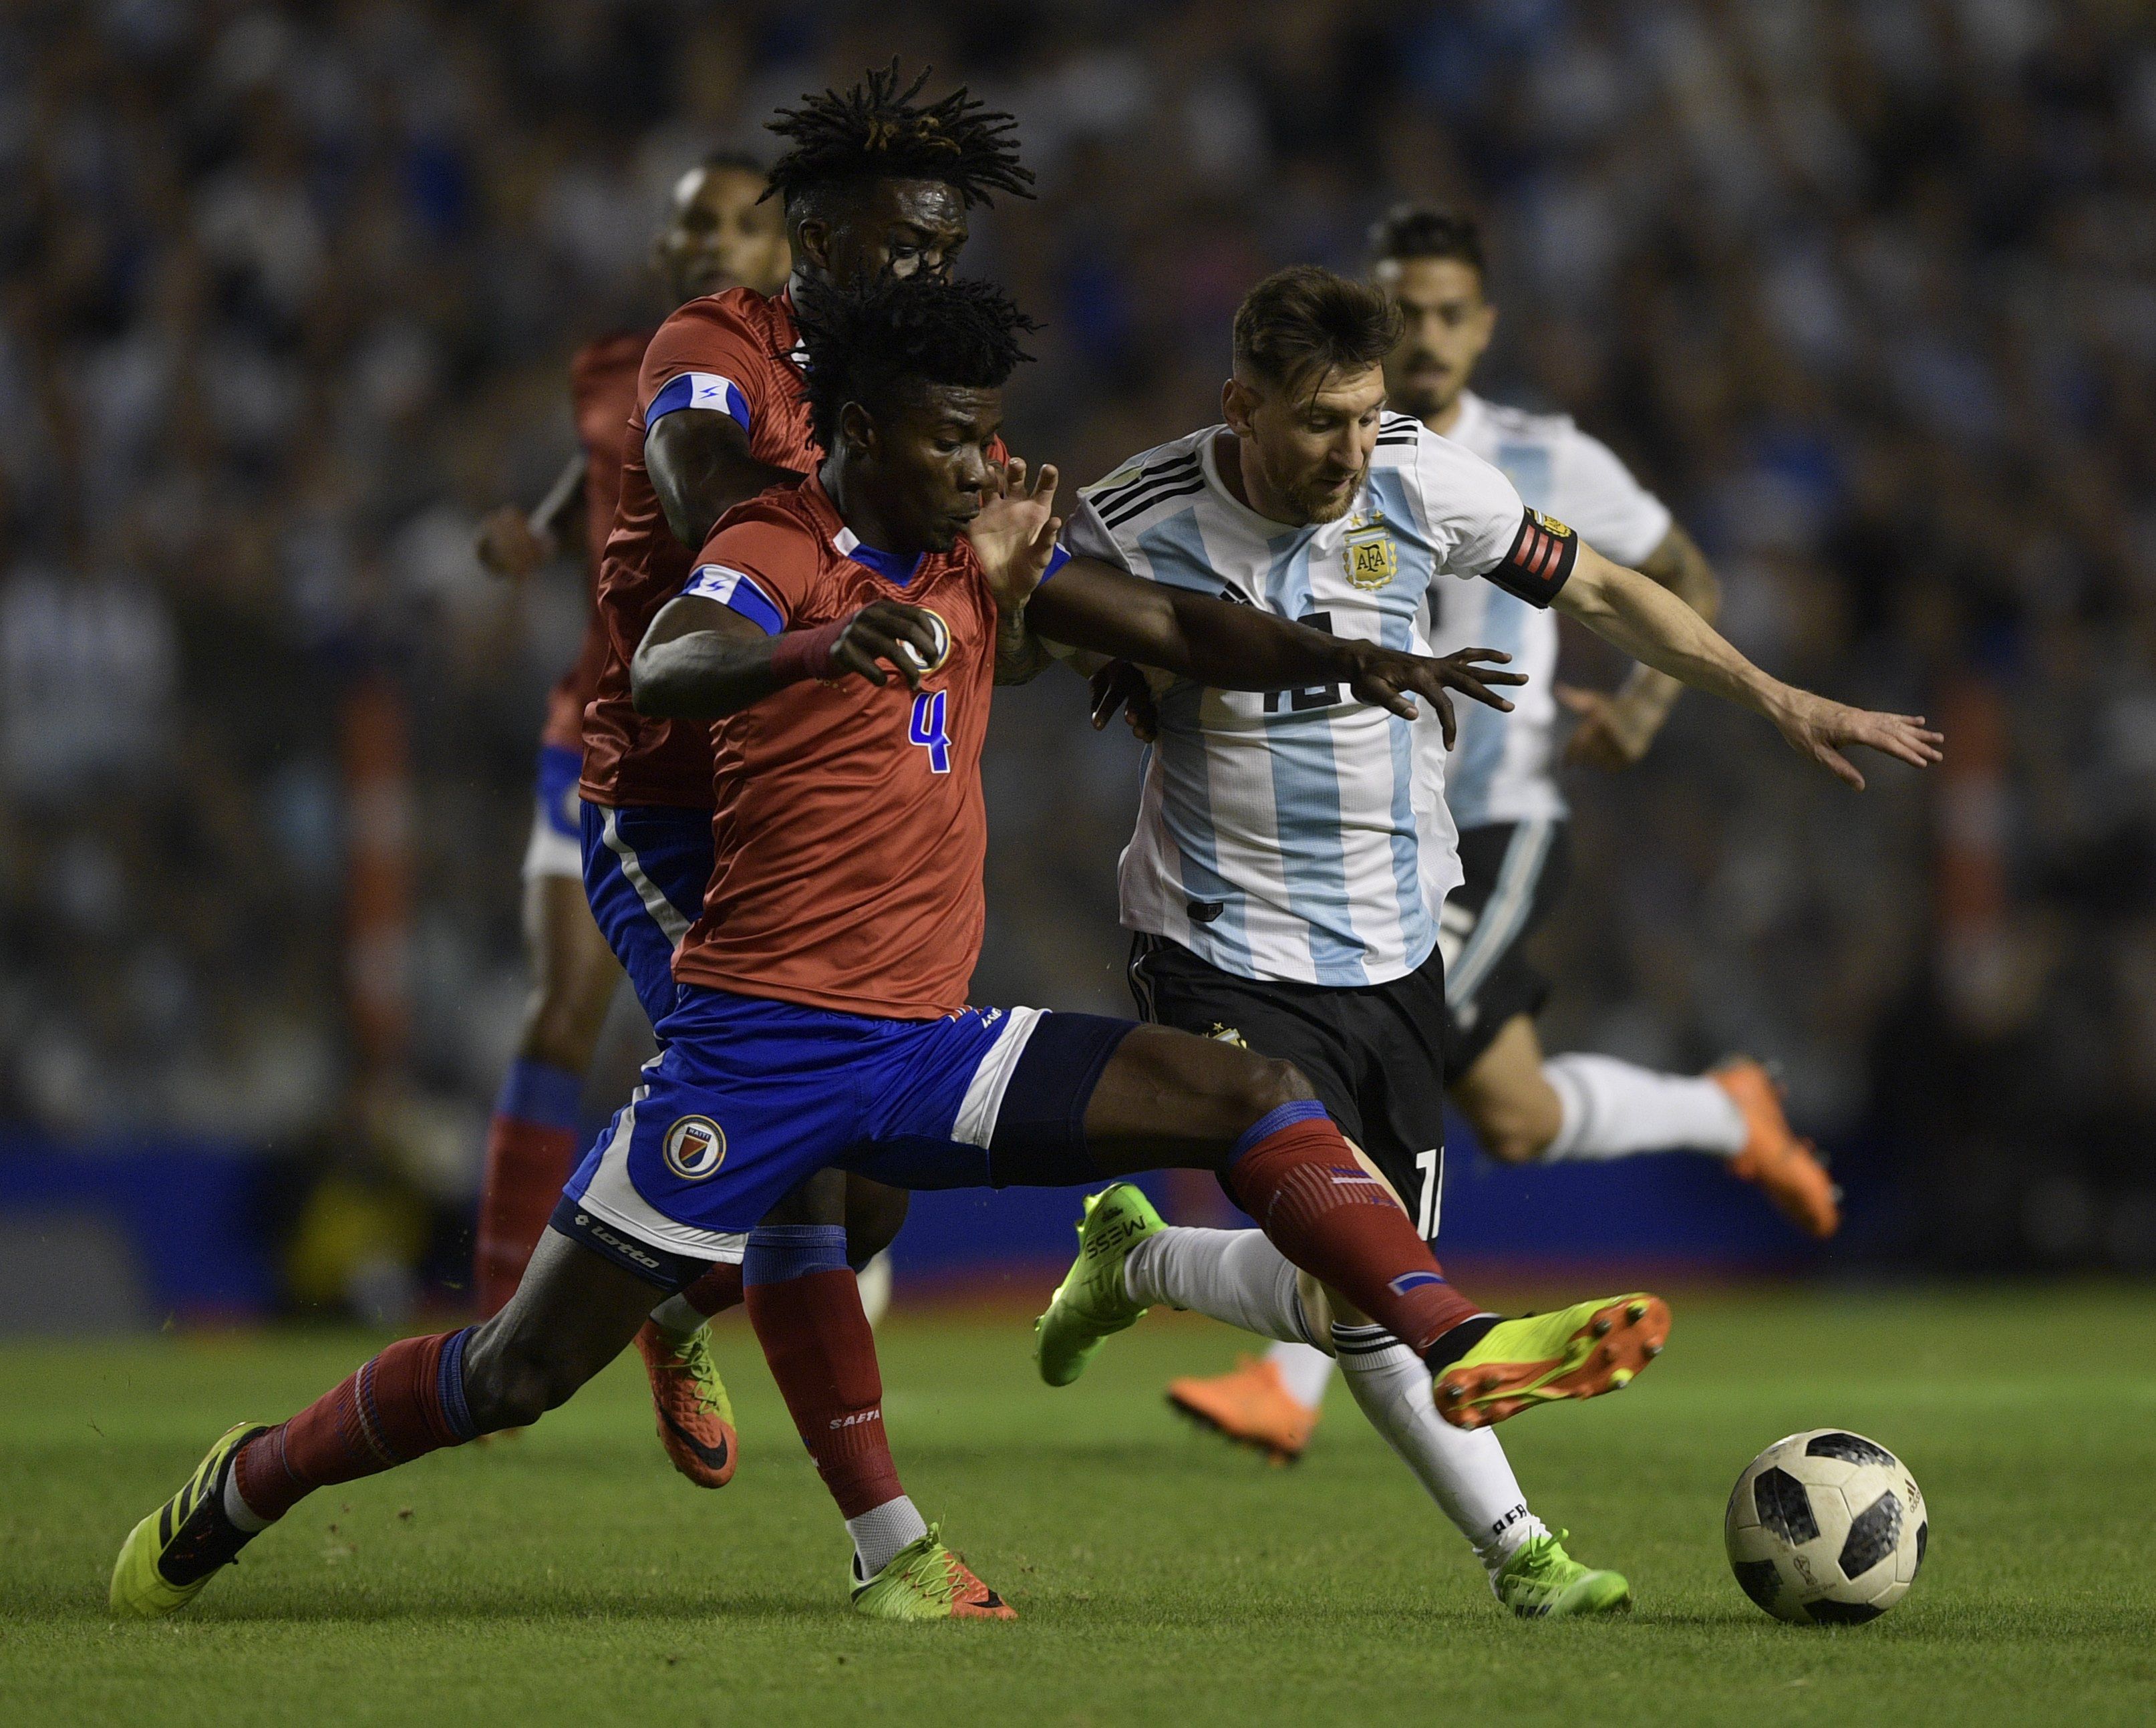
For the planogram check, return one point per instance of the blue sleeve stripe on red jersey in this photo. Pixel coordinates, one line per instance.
(698, 389)
(1056, 560)
(737, 589)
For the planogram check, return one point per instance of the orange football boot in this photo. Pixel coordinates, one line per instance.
(1251, 1406)
(695, 1417)
(1788, 1169)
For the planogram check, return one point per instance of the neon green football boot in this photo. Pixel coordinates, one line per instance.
(1091, 1303)
(926, 1581)
(169, 1556)
(1577, 1352)
(1543, 1582)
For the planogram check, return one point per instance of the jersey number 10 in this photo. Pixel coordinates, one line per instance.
(1314, 695)
(926, 728)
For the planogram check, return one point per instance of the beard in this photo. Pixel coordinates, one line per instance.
(1318, 503)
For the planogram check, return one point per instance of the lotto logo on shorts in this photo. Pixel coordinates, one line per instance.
(1408, 1281)
(695, 1148)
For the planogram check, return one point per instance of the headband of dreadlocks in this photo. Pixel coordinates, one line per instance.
(876, 131)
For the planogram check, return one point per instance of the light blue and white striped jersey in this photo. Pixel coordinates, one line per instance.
(1500, 765)
(1299, 835)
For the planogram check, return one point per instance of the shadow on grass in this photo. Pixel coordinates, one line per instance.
(1068, 1611)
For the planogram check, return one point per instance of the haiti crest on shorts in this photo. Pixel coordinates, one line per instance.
(695, 1148)
(1374, 556)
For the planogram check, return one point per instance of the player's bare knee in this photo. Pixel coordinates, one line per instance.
(559, 1030)
(1271, 1082)
(507, 1388)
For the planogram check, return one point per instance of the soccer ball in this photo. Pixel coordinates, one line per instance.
(1826, 1528)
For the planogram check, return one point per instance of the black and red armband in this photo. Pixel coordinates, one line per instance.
(1543, 553)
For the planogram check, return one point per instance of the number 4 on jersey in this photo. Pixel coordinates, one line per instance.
(927, 729)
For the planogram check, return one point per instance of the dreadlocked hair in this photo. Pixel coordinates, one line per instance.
(884, 340)
(877, 131)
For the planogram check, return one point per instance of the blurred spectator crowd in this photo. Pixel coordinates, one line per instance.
(1866, 291)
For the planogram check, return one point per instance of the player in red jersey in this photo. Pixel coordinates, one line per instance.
(874, 180)
(720, 235)
(844, 636)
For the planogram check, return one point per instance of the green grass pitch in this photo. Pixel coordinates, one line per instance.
(567, 1576)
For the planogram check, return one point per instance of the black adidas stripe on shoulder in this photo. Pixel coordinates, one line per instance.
(1180, 469)
(1136, 507)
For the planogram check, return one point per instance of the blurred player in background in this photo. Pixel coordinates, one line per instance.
(1501, 787)
(720, 232)
(1293, 853)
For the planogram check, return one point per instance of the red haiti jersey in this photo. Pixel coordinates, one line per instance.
(603, 393)
(733, 353)
(850, 833)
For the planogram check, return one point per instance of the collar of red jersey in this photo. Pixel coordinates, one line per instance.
(889, 565)
(850, 545)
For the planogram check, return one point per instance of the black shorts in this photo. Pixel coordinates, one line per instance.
(1516, 872)
(1374, 1053)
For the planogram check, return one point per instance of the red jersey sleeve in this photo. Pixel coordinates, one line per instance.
(710, 354)
(765, 565)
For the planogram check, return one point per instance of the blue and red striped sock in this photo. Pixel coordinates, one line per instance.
(807, 1311)
(401, 1405)
(530, 1152)
(1294, 1172)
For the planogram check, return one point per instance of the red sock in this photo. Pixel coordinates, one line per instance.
(405, 1402)
(822, 1355)
(530, 1152)
(716, 1291)
(1298, 1178)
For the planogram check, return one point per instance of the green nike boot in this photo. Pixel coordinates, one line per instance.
(1090, 1303)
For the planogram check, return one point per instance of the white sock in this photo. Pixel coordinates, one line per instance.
(881, 1532)
(1465, 1471)
(1613, 1109)
(1305, 1370)
(1233, 1275)
(677, 1314)
(1239, 1276)
(237, 1509)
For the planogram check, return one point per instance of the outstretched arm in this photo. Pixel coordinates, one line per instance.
(701, 660)
(701, 467)
(1093, 606)
(1616, 727)
(1646, 620)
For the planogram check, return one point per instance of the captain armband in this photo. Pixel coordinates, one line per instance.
(1541, 556)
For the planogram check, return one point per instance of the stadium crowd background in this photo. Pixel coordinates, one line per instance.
(1866, 292)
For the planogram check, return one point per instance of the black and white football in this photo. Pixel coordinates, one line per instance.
(1826, 1527)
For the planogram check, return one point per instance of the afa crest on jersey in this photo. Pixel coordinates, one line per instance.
(1374, 558)
(1552, 524)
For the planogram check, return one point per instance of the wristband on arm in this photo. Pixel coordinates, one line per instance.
(803, 654)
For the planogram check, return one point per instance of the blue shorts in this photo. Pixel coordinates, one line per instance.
(557, 825)
(646, 866)
(749, 1097)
